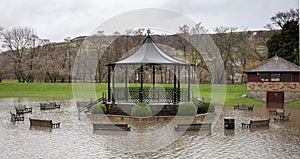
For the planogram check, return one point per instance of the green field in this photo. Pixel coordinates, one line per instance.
(231, 94)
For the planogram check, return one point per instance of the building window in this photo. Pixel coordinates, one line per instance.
(275, 77)
(287, 77)
(264, 77)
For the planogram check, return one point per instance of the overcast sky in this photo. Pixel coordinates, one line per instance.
(57, 19)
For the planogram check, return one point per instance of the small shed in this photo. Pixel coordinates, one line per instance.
(274, 81)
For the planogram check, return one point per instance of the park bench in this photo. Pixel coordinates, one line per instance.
(46, 106)
(256, 123)
(115, 127)
(243, 107)
(282, 118)
(193, 127)
(43, 123)
(277, 112)
(16, 117)
(23, 109)
(197, 101)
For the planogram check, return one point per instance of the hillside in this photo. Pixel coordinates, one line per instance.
(55, 62)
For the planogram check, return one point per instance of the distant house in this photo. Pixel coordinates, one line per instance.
(274, 81)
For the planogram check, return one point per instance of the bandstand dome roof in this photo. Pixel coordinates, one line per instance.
(149, 53)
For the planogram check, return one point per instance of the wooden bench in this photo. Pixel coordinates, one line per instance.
(193, 127)
(16, 117)
(256, 123)
(282, 118)
(23, 109)
(43, 123)
(277, 112)
(243, 107)
(46, 106)
(197, 101)
(115, 127)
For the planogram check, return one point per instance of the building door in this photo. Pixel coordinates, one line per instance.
(275, 100)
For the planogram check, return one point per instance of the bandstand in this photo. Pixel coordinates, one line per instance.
(148, 75)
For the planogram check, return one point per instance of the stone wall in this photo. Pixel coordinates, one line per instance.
(291, 96)
(258, 90)
(273, 86)
(258, 95)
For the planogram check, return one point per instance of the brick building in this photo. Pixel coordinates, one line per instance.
(274, 81)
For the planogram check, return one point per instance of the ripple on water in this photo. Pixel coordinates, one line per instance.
(146, 139)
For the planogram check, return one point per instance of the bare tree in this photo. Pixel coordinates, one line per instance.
(18, 40)
(198, 29)
(226, 40)
(282, 18)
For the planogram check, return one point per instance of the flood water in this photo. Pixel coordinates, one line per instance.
(147, 139)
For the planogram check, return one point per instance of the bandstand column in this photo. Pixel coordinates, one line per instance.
(174, 88)
(189, 83)
(126, 81)
(153, 81)
(153, 75)
(178, 87)
(108, 85)
(141, 81)
(113, 84)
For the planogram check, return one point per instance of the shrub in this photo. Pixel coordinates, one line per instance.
(98, 109)
(187, 109)
(205, 107)
(141, 110)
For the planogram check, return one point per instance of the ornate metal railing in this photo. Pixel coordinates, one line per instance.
(149, 95)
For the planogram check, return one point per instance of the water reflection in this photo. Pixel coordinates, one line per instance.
(149, 139)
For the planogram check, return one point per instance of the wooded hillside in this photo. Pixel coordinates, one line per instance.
(59, 62)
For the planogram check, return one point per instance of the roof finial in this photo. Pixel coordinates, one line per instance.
(148, 32)
(276, 57)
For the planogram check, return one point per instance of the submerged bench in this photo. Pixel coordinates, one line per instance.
(46, 106)
(16, 117)
(277, 112)
(43, 123)
(193, 127)
(23, 109)
(115, 127)
(282, 118)
(197, 101)
(256, 123)
(243, 107)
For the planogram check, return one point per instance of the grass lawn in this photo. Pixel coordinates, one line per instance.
(231, 94)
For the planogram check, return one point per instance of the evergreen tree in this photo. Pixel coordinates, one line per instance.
(286, 42)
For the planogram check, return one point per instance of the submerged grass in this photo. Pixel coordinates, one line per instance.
(227, 94)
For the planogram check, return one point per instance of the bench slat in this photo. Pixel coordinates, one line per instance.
(193, 127)
(116, 127)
